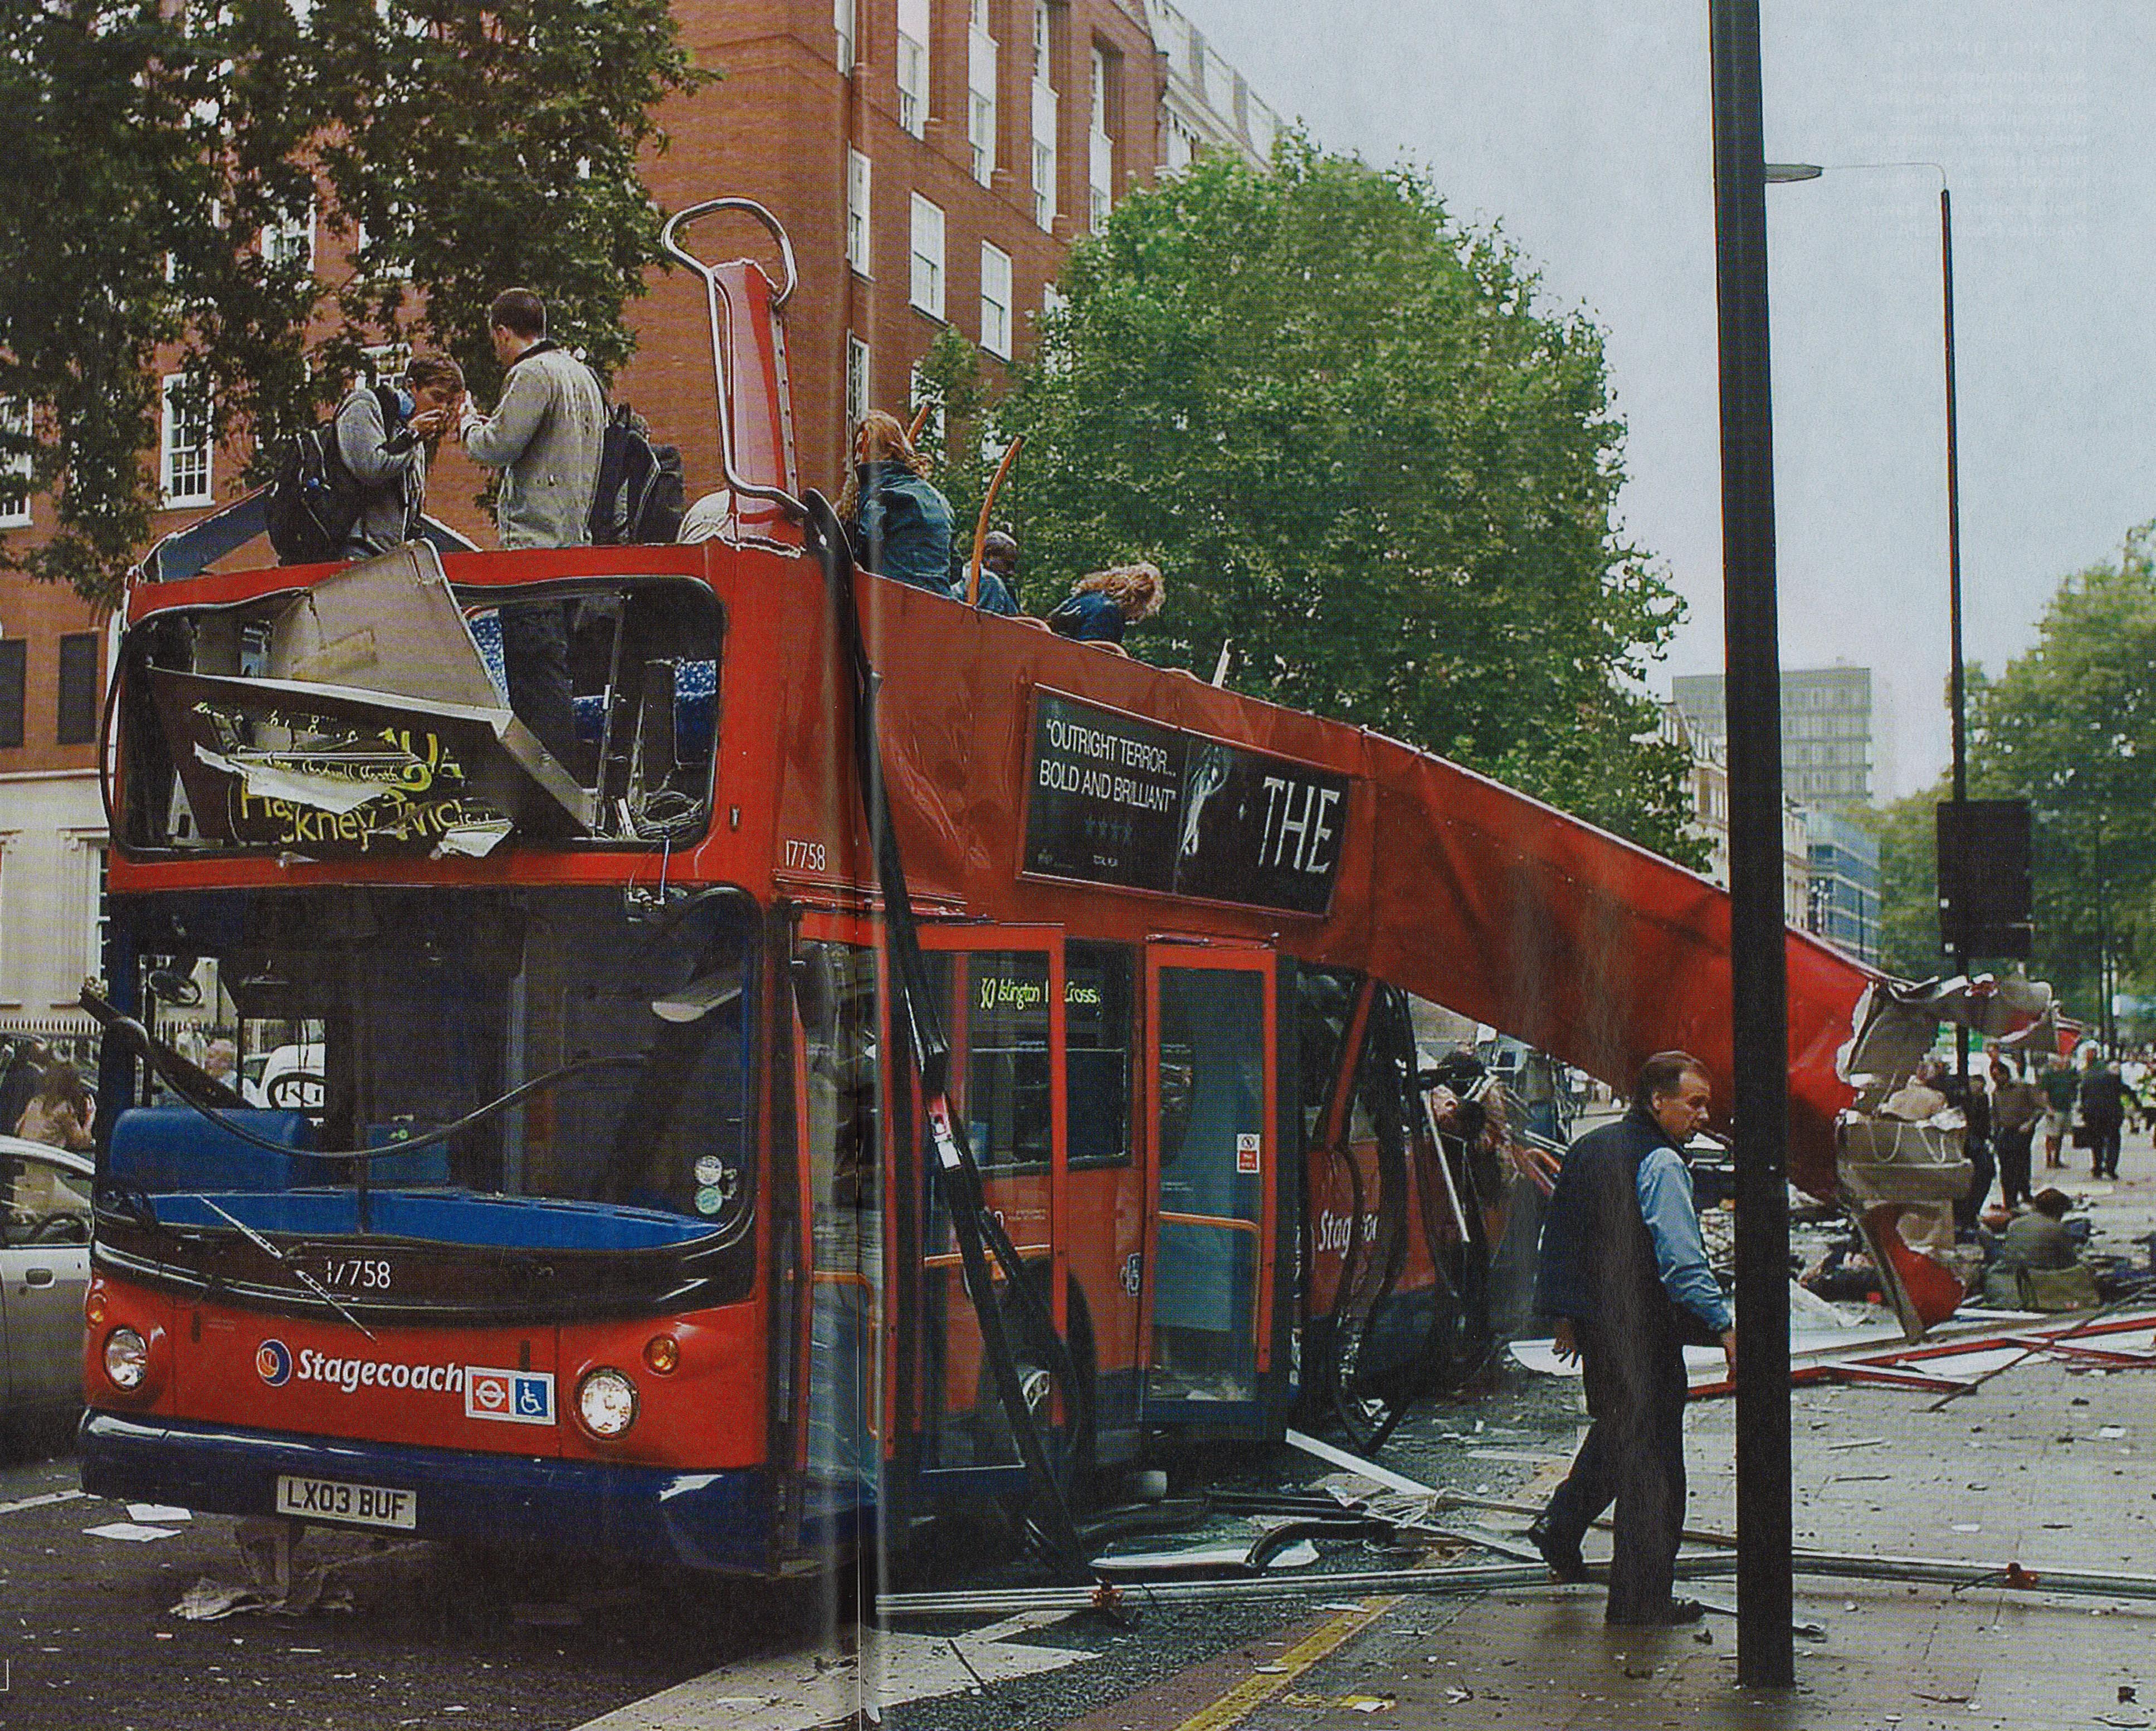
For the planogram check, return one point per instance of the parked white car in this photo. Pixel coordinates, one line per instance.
(45, 1268)
(289, 1079)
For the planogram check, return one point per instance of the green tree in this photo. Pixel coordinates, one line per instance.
(1365, 460)
(2071, 727)
(1908, 883)
(446, 149)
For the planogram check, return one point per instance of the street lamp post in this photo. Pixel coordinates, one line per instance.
(1758, 934)
(1782, 174)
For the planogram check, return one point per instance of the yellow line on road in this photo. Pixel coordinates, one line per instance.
(1245, 1699)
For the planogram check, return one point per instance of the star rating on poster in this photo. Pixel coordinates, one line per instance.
(1108, 832)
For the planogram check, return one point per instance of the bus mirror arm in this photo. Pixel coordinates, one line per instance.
(973, 1223)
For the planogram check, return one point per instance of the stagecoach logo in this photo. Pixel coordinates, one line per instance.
(515, 1397)
(273, 1363)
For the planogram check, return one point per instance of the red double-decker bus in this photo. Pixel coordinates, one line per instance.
(896, 1052)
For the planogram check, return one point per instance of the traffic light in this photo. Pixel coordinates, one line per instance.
(1985, 891)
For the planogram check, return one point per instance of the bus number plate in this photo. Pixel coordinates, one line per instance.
(329, 1499)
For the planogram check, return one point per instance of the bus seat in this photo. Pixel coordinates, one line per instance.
(485, 628)
(696, 705)
(164, 1148)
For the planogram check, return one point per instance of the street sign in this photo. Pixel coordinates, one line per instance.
(1985, 891)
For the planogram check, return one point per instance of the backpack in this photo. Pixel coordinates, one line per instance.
(313, 499)
(641, 493)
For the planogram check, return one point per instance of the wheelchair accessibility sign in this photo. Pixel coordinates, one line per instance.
(515, 1397)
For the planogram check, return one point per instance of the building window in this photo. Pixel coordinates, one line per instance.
(97, 911)
(1100, 155)
(981, 93)
(996, 302)
(1045, 121)
(913, 66)
(927, 290)
(857, 212)
(14, 466)
(78, 705)
(387, 362)
(857, 381)
(292, 242)
(377, 254)
(918, 391)
(1055, 346)
(185, 443)
(841, 25)
(14, 663)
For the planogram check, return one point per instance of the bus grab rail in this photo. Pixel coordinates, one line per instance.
(720, 306)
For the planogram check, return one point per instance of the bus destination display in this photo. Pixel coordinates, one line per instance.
(1114, 800)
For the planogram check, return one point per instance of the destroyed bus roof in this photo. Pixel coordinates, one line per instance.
(1371, 854)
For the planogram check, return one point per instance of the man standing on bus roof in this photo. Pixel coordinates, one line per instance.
(1624, 1274)
(544, 435)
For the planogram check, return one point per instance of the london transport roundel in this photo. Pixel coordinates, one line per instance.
(273, 1363)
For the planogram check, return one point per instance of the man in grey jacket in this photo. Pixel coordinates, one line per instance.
(382, 436)
(544, 435)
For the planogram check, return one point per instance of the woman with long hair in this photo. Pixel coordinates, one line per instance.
(60, 1113)
(900, 525)
(1103, 602)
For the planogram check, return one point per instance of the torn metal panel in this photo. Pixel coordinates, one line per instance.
(329, 771)
(389, 624)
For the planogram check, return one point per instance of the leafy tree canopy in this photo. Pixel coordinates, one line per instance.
(1362, 456)
(2070, 727)
(169, 157)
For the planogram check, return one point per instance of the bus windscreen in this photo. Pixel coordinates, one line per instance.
(373, 1017)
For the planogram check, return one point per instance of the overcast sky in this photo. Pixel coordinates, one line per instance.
(1582, 126)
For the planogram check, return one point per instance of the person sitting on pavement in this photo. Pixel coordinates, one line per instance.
(899, 524)
(2039, 1266)
(1104, 602)
(382, 438)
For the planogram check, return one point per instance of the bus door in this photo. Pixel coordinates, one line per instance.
(1001, 990)
(1210, 1085)
(834, 1443)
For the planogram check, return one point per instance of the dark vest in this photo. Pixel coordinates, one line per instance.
(1598, 1258)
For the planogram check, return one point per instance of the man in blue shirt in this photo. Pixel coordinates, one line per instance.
(1624, 1275)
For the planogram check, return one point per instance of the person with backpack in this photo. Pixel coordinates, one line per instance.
(545, 436)
(383, 435)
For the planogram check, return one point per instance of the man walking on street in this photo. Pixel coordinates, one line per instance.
(1624, 1274)
(545, 436)
(2015, 1105)
(2059, 1087)
(2103, 1111)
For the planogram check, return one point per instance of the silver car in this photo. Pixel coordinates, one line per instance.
(44, 1266)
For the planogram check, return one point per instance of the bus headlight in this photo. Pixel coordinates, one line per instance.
(126, 1359)
(606, 1402)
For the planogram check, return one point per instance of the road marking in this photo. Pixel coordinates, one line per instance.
(798, 1691)
(44, 1501)
(1247, 1696)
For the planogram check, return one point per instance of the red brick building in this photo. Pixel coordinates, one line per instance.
(932, 160)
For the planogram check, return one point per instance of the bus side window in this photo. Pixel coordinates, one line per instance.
(1098, 991)
(1325, 1002)
(834, 986)
(1007, 1093)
